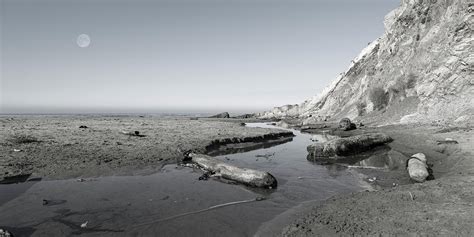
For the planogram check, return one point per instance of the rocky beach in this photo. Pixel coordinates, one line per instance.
(91, 145)
(385, 150)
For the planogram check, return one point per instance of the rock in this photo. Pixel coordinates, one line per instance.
(283, 124)
(245, 116)
(417, 167)
(221, 115)
(447, 141)
(345, 124)
(347, 146)
(313, 126)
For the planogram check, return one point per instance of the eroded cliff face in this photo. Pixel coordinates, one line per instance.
(420, 70)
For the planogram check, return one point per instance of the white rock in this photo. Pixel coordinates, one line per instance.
(84, 225)
(417, 168)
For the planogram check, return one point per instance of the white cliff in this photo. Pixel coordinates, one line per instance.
(419, 70)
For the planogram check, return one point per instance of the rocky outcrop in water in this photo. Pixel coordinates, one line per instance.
(347, 146)
(221, 115)
(419, 70)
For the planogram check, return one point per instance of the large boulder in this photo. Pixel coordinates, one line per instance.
(221, 115)
(417, 167)
(345, 124)
(347, 146)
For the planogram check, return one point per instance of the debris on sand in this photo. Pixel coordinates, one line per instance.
(257, 199)
(417, 167)
(266, 155)
(314, 138)
(5, 233)
(372, 179)
(134, 134)
(50, 202)
(205, 176)
(84, 225)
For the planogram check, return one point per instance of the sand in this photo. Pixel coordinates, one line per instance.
(55, 147)
(439, 207)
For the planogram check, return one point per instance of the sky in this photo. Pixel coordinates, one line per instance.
(177, 55)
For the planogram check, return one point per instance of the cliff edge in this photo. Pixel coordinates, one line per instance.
(419, 71)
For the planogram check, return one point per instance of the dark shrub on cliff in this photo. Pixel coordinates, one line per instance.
(411, 81)
(379, 97)
(361, 108)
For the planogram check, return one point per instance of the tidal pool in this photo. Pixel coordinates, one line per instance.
(174, 202)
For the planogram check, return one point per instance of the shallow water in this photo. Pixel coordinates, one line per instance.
(143, 205)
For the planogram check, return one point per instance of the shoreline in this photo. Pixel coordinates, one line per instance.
(353, 213)
(428, 208)
(58, 148)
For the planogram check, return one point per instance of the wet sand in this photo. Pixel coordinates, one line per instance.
(439, 207)
(55, 147)
(174, 201)
(392, 205)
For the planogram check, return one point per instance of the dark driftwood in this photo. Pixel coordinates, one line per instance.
(134, 134)
(254, 178)
(347, 146)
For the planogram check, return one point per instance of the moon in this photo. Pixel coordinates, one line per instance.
(83, 41)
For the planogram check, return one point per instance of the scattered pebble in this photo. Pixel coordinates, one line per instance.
(84, 225)
(373, 179)
(260, 198)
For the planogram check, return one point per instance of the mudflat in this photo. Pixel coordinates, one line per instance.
(66, 146)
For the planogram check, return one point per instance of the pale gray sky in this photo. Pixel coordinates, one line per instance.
(177, 55)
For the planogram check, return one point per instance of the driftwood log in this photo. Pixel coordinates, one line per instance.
(254, 178)
(347, 146)
(133, 134)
